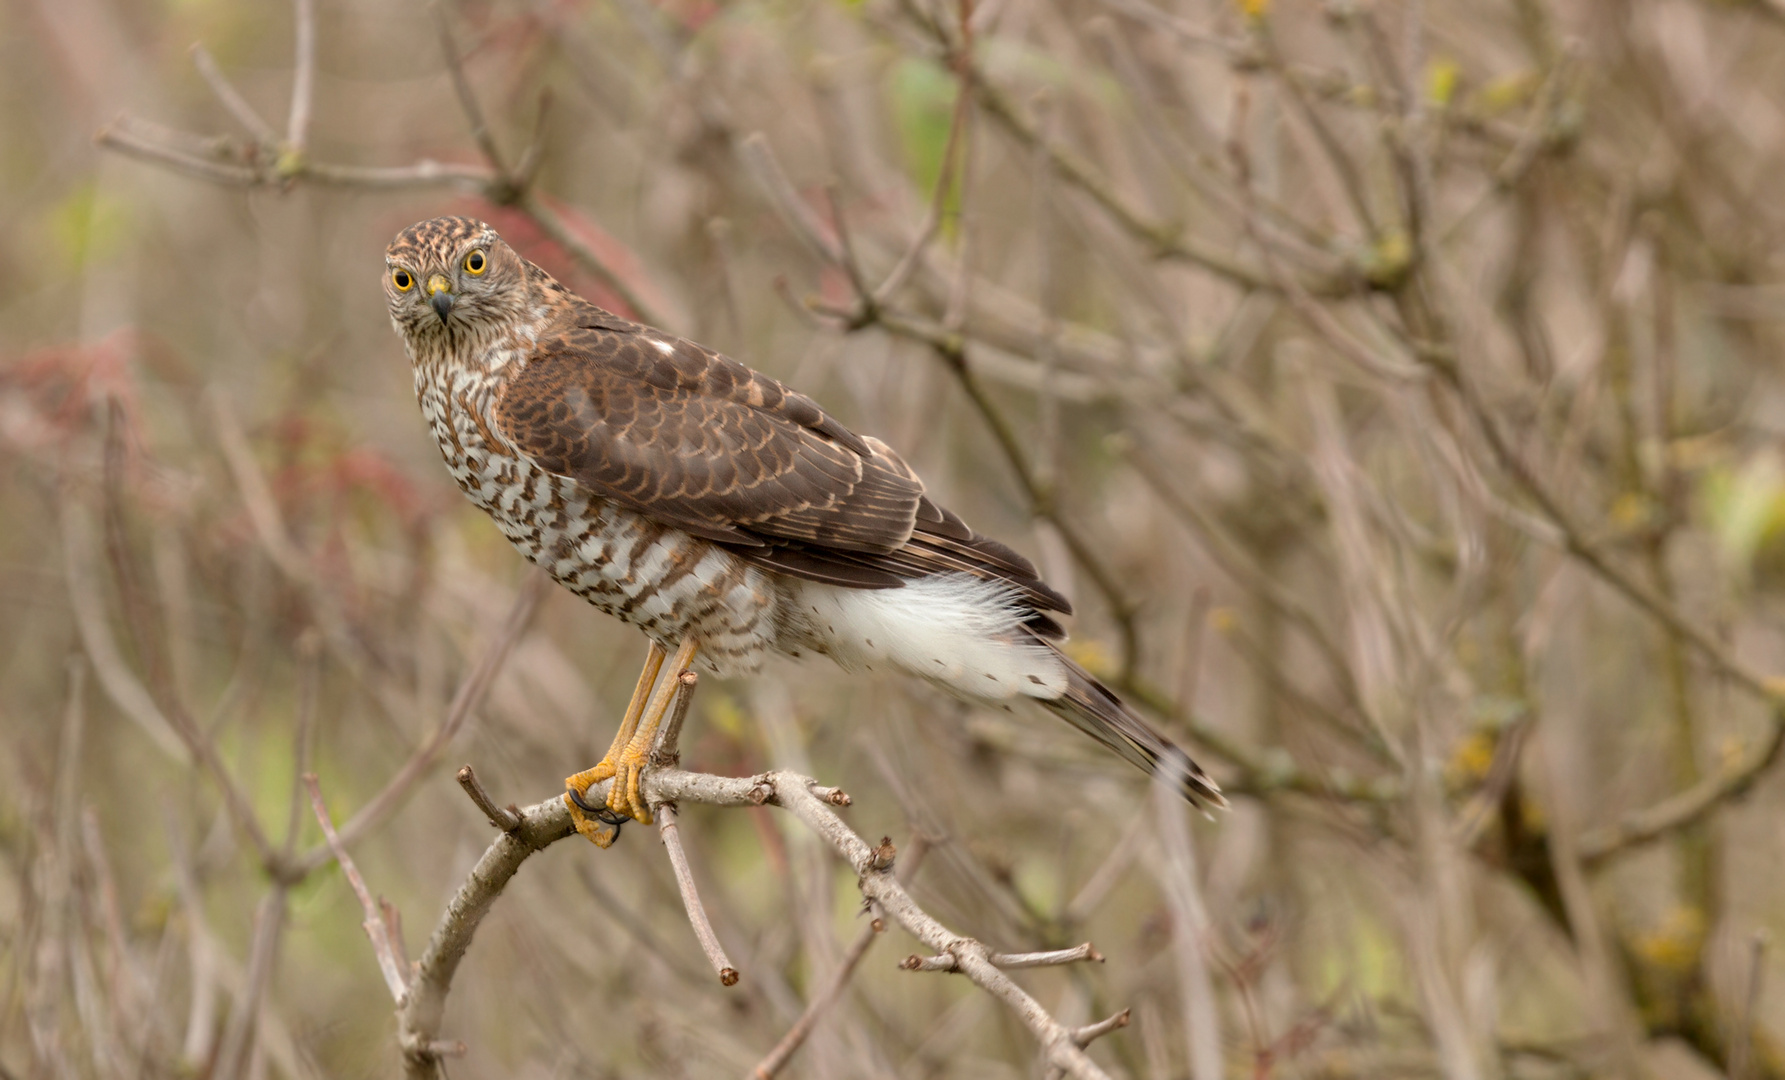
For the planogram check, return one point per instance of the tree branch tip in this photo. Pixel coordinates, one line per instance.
(1084, 1036)
(507, 819)
(728, 977)
(1085, 952)
(833, 796)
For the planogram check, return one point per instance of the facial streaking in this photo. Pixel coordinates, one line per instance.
(450, 275)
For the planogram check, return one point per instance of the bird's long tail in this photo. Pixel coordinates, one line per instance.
(1094, 709)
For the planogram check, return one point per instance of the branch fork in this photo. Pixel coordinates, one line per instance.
(421, 997)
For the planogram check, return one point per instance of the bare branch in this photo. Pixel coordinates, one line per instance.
(419, 1014)
(236, 1048)
(949, 962)
(502, 817)
(668, 831)
(232, 99)
(465, 701)
(822, 1001)
(461, 86)
(553, 226)
(545, 823)
(1318, 318)
(1685, 808)
(972, 958)
(667, 751)
(375, 927)
(759, 160)
(1085, 1035)
(303, 79)
(117, 136)
(123, 137)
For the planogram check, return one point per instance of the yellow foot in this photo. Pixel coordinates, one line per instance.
(626, 759)
(624, 797)
(600, 832)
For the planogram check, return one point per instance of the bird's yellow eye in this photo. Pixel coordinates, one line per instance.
(475, 263)
(403, 280)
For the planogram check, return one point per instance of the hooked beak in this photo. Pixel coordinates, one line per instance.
(440, 296)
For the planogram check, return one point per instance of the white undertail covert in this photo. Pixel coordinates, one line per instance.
(957, 630)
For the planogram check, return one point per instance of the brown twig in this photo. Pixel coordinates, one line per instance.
(822, 1001)
(760, 163)
(1685, 807)
(545, 823)
(1085, 1035)
(376, 929)
(465, 701)
(461, 86)
(121, 136)
(667, 750)
(670, 833)
(502, 817)
(236, 1048)
(495, 182)
(1318, 318)
(1160, 240)
(553, 226)
(946, 176)
(231, 99)
(783, 1051)
(950, 962)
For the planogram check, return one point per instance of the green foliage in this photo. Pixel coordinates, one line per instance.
(1744, 504)
(88, 226)
(922, 96)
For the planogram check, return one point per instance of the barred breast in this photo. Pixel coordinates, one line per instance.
(665, 582)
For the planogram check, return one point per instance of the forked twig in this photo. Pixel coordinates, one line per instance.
(465, 701)
(545, 823)
(822, 1001)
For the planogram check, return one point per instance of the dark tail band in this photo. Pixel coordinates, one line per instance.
(1094, 709)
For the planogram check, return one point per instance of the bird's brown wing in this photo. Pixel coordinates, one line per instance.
(697, 441)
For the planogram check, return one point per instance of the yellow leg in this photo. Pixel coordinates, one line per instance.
(623, 797)
(601, 833)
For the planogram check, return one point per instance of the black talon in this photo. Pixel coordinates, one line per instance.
(600, 810)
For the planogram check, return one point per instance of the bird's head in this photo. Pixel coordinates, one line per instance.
(451, 274)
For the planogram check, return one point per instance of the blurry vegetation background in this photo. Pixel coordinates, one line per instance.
(1394, 386)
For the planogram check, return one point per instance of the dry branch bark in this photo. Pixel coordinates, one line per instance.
(422, 1009)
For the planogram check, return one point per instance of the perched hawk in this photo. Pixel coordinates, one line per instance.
(721, 513)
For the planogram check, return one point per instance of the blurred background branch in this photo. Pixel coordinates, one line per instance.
(1393, 386)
